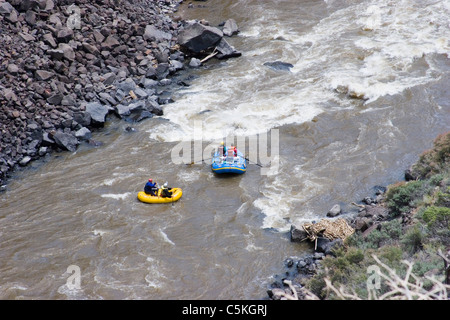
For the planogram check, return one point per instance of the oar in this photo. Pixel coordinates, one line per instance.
(254, 162)
(188, 164)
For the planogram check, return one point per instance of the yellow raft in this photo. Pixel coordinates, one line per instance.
(144, 197)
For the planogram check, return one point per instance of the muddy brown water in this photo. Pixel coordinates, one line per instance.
(227, 236)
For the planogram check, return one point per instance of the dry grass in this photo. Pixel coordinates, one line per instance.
(410, 287)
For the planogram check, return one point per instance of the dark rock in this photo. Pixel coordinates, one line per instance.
(134, 111)
(110, 43)
(43, 75)
(162, 70)
(150, 72)
(152, 33)
(66, 141)
(12, 17)
(362, 223)
(226, 50)
(279, 65)
(297, 234)
(25, 160)
(98, 113)
(6, 8)
(90, 48)
(107, 98)
(148, 83)
(82, 118)
(48, 39)
(83, 134)
(318, 255)
(289, 263)
(30, 17)
(276, 293)
(57, 54)
(195, 63)
(43, 151)
(68, 101)
(26, 5)
(334, 211)
(197, 37)
(55, 99)
(13, 69)
(322, 244)
(377, 212)
(127, 85)
(176, 65)
(369, 200)
(27, 37)
(230, 28)
(65, 34)
(68, 51)
(109, 78)
(410, 176)
(153, 106)
(331, 246)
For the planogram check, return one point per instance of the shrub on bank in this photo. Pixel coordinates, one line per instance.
(435, 160)
(418, 228)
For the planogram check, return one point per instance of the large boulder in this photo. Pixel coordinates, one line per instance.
(135, 112)
(226, 50)
(197, 37)
(334, 211)
(66, 141)
(298, 234)
(98, 113)
(230, 28)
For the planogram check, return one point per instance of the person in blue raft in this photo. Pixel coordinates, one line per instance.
(150, 187)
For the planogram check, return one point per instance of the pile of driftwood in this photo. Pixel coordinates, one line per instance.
(330, 229)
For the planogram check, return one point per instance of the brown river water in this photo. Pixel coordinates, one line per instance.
(367, 93)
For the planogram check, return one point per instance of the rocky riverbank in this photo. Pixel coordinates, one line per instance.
(407, 221)
(66, 65)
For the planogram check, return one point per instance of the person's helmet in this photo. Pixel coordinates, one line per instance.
(150, 180)
(222, 143)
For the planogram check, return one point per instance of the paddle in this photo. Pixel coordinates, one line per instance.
(254, 162)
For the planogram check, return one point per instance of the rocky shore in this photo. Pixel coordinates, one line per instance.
(406, 221)
(366, 216)
(66, 65)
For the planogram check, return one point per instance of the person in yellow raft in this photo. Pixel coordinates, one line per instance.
(165, 191)
(150, 187)
(152, 193)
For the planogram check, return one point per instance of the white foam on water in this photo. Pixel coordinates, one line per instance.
(280, 196)
(99, 232)
(120, 196)
(117, 177)
(165, 237)
(154, 278)
(188, 176)
(367, 50)
(251, 247)
(393, 36)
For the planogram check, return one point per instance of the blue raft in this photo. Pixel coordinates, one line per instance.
(229, 164)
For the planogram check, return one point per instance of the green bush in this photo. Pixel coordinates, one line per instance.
(390, 232)
(392, 254)
(434, 216)
(401, 197)
(434, 160)
(413, 239)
